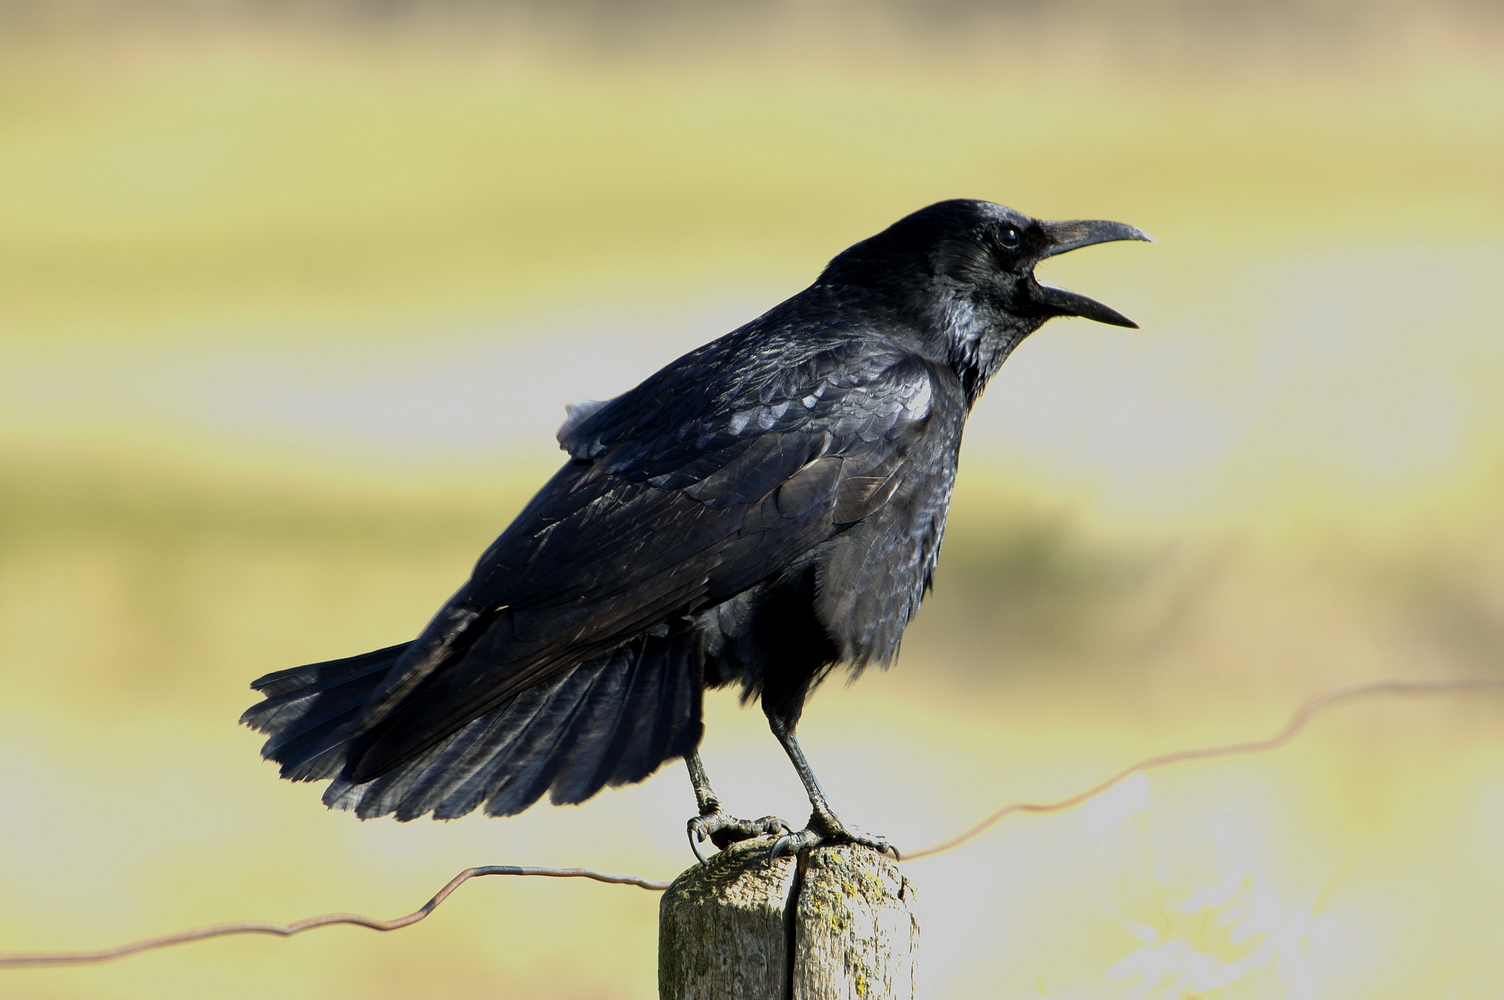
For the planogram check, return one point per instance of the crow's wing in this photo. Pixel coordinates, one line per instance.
(710, 476)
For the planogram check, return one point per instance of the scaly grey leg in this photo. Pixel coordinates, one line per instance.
(824, 827)
(713, 823)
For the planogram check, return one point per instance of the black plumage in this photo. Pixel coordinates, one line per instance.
(762, 509)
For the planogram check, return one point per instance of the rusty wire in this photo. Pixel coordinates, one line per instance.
(297, 927)
(1297, 722)
(1291, 729)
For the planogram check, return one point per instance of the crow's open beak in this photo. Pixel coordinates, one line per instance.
(1072, 235)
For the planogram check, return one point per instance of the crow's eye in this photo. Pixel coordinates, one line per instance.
(1009, 239)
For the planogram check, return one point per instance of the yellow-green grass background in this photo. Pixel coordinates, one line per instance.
(287, 312)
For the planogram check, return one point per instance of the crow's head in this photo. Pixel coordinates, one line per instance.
(965, 271)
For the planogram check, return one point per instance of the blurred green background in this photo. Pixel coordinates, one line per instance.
(291, 299)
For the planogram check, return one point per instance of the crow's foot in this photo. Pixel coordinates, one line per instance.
(723, 830)
(827, 828)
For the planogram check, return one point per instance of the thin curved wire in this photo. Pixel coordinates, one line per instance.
(1309, 708)
(298, 927)
(1298, 721)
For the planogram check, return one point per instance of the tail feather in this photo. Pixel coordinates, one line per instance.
(652, 725)
(595, 761)
(309, 710)
(682, 697)
(314, 676)
(611, 720)
(481, 765)
(659, 720)
(491, 749)
(440, 783)
(543, 749)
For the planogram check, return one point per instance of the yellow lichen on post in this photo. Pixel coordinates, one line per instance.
(723, 930)
(856, 929)
(839, 924)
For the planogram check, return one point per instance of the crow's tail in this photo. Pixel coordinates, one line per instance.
(611, 720)
(310, 711)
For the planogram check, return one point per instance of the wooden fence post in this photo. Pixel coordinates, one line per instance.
(838, 923)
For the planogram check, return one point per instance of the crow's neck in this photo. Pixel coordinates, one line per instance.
(976, 343)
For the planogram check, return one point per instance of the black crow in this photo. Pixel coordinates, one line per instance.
(762, 509)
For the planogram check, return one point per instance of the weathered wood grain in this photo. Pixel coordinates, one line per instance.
(838, 924)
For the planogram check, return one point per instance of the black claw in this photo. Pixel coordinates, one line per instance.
(695, 839)
(793, 842)
(723, 830)
(827, 829)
